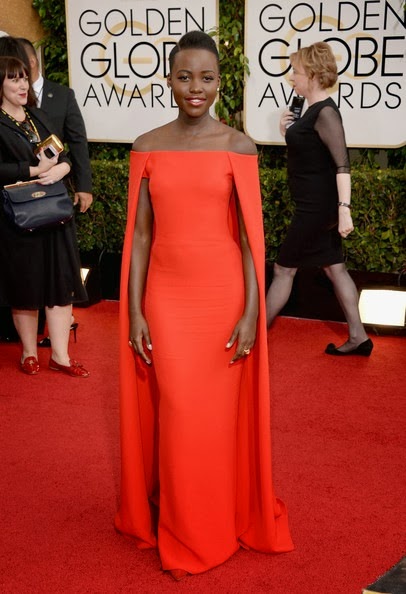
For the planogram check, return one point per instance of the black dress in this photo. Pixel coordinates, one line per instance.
(316, 153)
(41, 268)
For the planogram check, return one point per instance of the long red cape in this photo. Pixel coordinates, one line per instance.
(265, 515)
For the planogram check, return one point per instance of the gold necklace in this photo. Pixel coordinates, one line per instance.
(27, 126)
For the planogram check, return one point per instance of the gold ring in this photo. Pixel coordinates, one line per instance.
(247, 351)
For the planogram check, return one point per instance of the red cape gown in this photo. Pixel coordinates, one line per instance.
(205, 461)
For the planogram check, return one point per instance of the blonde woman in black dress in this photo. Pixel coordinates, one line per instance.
(320, 184)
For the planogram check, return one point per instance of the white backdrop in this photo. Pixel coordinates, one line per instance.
(368, 40)
(118, 55)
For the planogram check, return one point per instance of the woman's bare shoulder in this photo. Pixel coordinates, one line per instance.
(240, 142)
(150, 141)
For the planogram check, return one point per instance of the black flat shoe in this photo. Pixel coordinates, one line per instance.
(46, 342)
(364, 349)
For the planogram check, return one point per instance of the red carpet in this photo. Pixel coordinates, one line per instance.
(338, 432)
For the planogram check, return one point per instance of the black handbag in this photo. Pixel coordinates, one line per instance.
(31, 206)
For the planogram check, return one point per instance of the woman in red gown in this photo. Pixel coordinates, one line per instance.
(195, 408)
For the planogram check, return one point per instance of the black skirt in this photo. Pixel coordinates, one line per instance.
(310, 241)
(39, 268)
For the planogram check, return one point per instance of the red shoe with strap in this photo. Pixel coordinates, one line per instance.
(74, 369)
(30, 366)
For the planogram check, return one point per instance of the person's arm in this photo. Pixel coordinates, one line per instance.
(141, 247)
(10, 173)
(14, 171)
(345, 224)
(49, 171)
(330, 129)
(246, 327)
(285, 121)
(76, 137)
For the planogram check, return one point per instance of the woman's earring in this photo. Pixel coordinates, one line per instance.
(218, 88)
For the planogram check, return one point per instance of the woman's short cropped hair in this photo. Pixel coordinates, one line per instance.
(11, 67)
(194, 40)
(318, 62)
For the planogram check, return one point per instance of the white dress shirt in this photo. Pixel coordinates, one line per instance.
(38, 87)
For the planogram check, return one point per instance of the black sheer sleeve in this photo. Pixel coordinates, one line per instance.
(330, 129)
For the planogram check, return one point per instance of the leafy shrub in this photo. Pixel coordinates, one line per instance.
(52, 16)
(102, 226)
(234, 65)
(378, 243)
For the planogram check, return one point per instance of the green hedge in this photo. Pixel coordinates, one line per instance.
(378, 197)
(102, 226)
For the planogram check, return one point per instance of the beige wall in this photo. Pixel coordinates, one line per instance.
(19, 19)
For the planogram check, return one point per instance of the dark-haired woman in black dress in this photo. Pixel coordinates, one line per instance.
(39, 269)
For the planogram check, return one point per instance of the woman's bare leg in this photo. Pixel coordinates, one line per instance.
(279, 291)
(26, 324)
(59, 321)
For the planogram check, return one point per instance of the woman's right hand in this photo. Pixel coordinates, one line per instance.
(139, 333)
(44, 164)
(285, 121)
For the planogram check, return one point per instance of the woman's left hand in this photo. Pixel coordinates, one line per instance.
(245, 331)
(56, 173)
(345, 225)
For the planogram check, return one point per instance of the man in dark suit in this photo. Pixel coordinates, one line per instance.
(60, 105)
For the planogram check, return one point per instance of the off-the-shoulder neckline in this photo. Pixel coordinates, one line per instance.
(192, 152)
